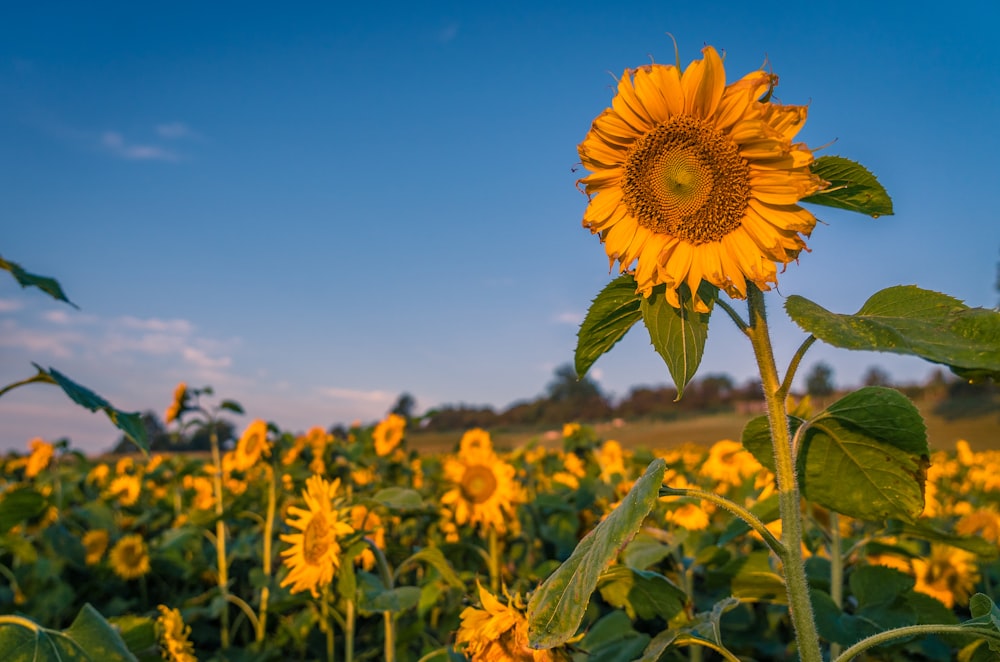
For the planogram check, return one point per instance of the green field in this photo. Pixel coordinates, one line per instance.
(981, 431)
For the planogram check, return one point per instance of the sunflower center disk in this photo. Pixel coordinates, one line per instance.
(478, 483)
(315, 540)
(687, 180)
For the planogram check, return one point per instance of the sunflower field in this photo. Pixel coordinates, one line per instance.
(821, 534)
(317, 548)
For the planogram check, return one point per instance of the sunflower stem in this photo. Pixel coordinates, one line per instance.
(796, 584)
(836, 571)
(494, 562)
(793, 366)
(386, 573)
(327, 625)
(265, 592)
(220, 534)
(349, 631)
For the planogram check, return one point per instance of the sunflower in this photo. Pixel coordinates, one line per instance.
(497, 633)
(947, 573)
(484, 492)
(95, 543)
(130, 557)
(729, 464)
(315, 553)
(125, 488)
(367, 521)
(178, 405)
(695, 180)
(173, 635)
(41, 454)
(251, 446)
(389, 434)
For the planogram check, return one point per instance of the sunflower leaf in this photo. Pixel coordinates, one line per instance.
(612, 313)
(643, 594)
(89, 638)
(866, 456)
(48, 285)
(128, 422)
(678, 334)
(556, 608)
(908, 320)
(852, 187)
(18, 505)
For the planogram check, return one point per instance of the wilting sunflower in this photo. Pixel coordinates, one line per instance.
(173, 635)
(695, 180)
(130, 557)
(315, 553)
(178, 405)
(484, 492)
(252, 445)
(95, 543)
(388, 434)
(498, 632)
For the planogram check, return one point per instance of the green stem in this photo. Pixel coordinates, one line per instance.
(916, 630)
(385, 572)
(695, 643)
(349, 632)
(793, 366)
(752, 520)
(796, 584)
(836, 571)
(494, 562)
(220, 535)
(265, 592)
(735, 316)
(327, 626)
(10, 619)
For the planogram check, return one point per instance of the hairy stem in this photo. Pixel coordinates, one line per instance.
(796, 584)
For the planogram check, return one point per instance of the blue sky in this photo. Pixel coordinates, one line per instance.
(316, 209)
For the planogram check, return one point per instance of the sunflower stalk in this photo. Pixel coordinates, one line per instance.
(220, 533)
(789, 500)
(385, 572)
(265, 591)
(836, 571)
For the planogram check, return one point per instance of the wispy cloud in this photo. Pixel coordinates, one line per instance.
(568, 318)
(10, 305)
(177, 326)
(115, 143)
(175, 131)
(355, 395)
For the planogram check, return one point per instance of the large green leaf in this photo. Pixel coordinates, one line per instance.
(48, 285)
(556, 608)
(89, 638)
(642, 594)
(908, 320)
(852, 187)
(612, 313)
(19, 505)
(679, 334)
(128, 422)
(866, 456)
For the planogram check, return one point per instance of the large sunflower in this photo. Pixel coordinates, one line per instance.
(315, 553)
(484, 491)
(497, 633)
(695, 180)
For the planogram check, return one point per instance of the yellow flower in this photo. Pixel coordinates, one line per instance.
(98, 474)
(729, 463)
(204, 493)
(130, 557)
(41, 454)
(475, 440)
(173, 636)
(124, 465)
(95, 543)
(484, 492)
(569, 429)
(689, 516)
(368, 522)
(178, 405)
(315, 553)
(126, 488)
(947, 573)
(696, 180)
(388, 434)
(497, 633)
(252, 445)
(984, 523)
(964, 453)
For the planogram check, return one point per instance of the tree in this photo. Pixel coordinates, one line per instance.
(819, 381)
(876, 376)
(404, 406)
